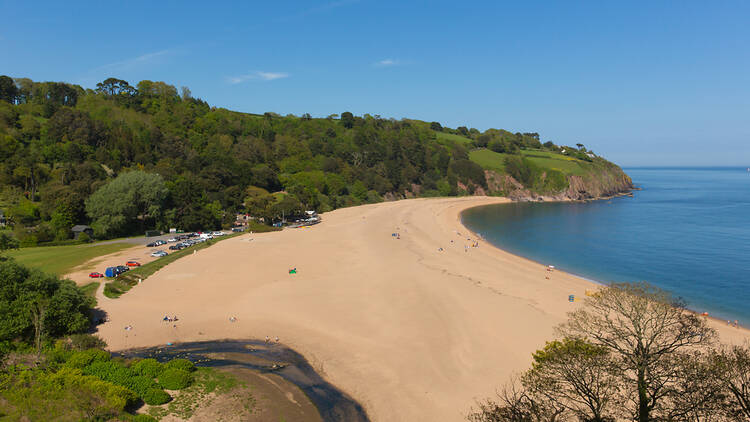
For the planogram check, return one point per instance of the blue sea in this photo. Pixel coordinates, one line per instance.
(687, 231)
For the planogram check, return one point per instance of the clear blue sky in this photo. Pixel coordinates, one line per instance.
(642, 83)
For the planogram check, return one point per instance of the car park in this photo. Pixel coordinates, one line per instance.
(96, 275)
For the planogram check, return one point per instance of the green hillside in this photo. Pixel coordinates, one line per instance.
(125, 159)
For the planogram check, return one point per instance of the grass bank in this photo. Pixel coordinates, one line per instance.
(59, 260)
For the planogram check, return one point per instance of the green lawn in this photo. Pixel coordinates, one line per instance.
(551, 160)
(442, 136)
(61, 259)
(491, 160)
(488, 159)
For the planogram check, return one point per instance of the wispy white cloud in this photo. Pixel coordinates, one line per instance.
(387, 63)
(269, 76)
(266, 76)
(128, 64)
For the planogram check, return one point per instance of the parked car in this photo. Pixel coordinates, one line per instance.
(152, 245)
(96, 275)
(237, 229)
(133, 264)
(218, 233)
(175, 247)
(115, 271)
(158, 254)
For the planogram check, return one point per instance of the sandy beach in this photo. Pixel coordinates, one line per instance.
(410, 331)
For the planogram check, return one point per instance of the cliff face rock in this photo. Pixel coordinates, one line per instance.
(596, 184)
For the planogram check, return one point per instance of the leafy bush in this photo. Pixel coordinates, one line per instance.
(87, 357)
(469, 171)
(110, 371)
(183, 364)
(66, 307)
(66, 394)
(144, 386)
(86, 341)
(143, 418)
(155, 396)
(175, 379)
(148, 367)
(140, 384)
(555, 181)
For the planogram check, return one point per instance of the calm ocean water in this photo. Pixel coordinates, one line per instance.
(687, 231)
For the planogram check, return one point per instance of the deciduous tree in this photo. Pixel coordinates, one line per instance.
(644, 327)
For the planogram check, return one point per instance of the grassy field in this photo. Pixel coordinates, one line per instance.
(116, 287)
(488, 160)
(61, 259)
(441, 136)
(551, 160)
(491, 160)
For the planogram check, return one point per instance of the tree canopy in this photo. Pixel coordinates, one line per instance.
(129, 199)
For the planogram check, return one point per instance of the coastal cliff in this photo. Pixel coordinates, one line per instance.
(598, 182)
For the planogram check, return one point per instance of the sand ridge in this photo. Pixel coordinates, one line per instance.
(408, 330)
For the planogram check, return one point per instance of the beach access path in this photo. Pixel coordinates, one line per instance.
(410, 331)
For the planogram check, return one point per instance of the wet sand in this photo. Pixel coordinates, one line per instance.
(409, 331)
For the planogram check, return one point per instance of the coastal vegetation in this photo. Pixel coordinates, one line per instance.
(51, 369)
(75, 379)
(124, 158)
(632, 353)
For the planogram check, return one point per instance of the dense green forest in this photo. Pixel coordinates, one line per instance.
(125, 158)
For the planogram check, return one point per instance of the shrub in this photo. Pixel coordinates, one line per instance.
(84, 238)
(155, 396)
(87, 357)
(110, 371)
(183, 364)
(175, 379)
(140, 384)
(143, 418)
(148, 367)
(86, 341)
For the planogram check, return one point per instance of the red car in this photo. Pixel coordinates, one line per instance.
(133, 264)
(96, 275)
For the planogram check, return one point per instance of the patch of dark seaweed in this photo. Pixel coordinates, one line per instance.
(333, 404)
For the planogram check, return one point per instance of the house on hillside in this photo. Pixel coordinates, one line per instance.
(78, 229)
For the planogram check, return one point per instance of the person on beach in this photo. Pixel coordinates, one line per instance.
(268, 339)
